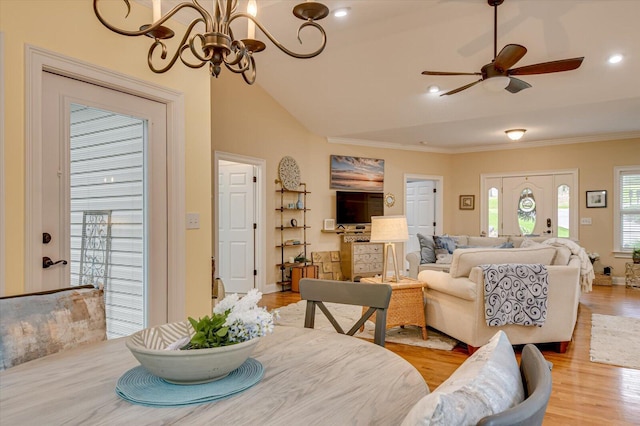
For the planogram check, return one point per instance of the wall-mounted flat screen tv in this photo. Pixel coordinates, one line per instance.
(356, 208)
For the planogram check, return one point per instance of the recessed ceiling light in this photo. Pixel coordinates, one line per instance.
(614, 59)
(342, 12)
(433, 89)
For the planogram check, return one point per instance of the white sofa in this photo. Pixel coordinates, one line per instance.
(466, 241)
(454, 300)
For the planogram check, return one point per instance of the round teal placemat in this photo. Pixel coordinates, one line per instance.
(141, 387)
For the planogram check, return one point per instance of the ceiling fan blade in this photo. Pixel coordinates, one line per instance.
(449, 73)
(508, 56)
(460, 89)
(516, 85)
(548, 67)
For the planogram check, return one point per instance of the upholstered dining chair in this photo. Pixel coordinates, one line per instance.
(374, 296)
(536, 379)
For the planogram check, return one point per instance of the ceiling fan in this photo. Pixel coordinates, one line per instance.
(502, 62)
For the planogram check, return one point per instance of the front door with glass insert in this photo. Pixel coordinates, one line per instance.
(528, 205)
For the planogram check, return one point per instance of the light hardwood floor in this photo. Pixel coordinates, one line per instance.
(584, 392)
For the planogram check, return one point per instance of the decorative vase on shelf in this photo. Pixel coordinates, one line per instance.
(300, 204)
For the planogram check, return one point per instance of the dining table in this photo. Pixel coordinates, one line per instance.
(311, 377)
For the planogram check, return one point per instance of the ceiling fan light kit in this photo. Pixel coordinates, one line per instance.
(500, 66)
(515, 134)
(217, 44)
(496, 84)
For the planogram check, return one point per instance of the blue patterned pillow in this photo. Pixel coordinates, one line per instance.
(445, 242)
(427, 249)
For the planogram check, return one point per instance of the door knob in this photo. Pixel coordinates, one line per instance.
(47, 262)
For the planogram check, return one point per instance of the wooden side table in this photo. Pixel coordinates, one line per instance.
(632, 275)
(407, 303)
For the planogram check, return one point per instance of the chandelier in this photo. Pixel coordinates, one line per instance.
(217, 44)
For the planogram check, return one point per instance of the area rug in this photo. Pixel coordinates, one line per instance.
(347, 315)
(615, 340)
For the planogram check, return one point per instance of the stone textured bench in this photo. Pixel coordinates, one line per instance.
(38, 324)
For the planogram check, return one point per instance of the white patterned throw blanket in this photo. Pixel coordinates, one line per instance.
(515, 294)
(586, 268)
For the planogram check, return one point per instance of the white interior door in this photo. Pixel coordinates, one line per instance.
(104, 199)
(236, 233)
(420, 212)
(528, 205)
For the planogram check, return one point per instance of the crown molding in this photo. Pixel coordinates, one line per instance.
(522, 144)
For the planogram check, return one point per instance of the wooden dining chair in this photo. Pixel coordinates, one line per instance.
(536, 379)
(374, 296)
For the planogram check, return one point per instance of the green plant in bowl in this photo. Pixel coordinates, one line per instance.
(212, 346)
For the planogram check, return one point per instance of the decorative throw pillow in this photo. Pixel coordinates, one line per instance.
(528, 242)
(445, 242)
(488, 382)
(507, 244)
(427, 249)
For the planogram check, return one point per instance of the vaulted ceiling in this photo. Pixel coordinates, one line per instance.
(367, 86)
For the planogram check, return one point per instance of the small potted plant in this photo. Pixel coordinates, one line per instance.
(207, 349)
(636, 254)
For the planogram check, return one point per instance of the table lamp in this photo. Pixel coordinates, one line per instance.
(389, 230)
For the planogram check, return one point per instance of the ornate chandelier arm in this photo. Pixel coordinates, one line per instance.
(279, 45)
(183, 45)
(249, 67)
(146, 30)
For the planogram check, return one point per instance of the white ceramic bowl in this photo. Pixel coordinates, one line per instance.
(189, 366)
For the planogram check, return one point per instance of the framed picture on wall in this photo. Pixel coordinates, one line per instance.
(329, 224)
(596, 199)
(356, 173)
(467, 202)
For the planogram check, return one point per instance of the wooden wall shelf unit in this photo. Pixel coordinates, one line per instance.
(293, 235)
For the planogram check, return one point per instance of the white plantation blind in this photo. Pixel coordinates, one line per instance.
(629, 208)
(107, 174)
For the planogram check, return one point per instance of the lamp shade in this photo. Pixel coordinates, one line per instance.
(389, 229)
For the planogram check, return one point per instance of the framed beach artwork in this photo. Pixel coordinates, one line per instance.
(356, 173)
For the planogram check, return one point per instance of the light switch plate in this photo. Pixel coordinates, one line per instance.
(585, 221)
(193, 220)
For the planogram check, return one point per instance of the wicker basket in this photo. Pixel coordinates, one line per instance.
(602, 279)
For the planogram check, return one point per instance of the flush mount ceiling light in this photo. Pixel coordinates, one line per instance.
(515, 134)
(216, 45)
(614, 59)
(433, 89)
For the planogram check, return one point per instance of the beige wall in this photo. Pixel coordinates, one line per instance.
(595, 162)
(70, 28)
(265, 130)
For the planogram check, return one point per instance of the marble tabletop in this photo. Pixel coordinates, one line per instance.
(312, 377)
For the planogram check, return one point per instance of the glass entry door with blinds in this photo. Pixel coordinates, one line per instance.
(104, 199)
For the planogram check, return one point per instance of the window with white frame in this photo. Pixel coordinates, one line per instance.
(626, 209)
